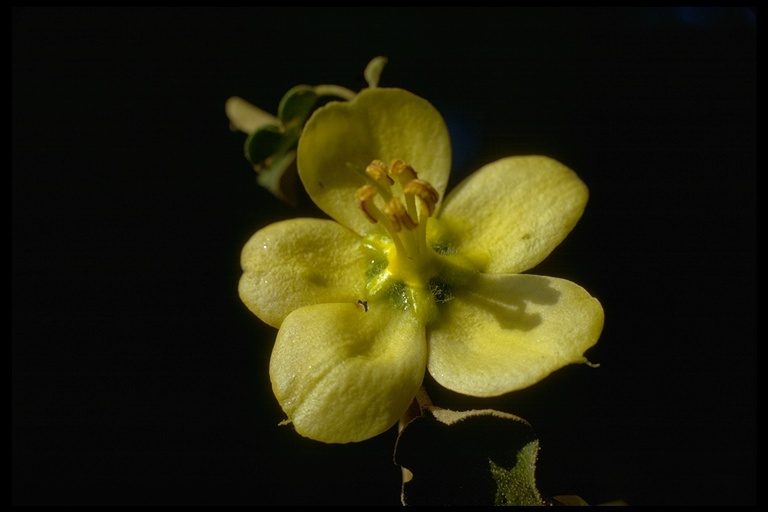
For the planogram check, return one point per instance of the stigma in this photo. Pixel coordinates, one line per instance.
(395, 198)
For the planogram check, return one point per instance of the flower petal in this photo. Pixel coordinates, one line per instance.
(509, 215)
(342, 138)
(298, 262)
(343, 374)
(510, 331)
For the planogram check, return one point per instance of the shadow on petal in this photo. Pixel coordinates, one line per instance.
(507, 299)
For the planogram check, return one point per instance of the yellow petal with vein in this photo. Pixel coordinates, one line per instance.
(508, 332)
(343, 374)
(299, 262)
(509, 215)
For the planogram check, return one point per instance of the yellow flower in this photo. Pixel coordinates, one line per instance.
(404, 279)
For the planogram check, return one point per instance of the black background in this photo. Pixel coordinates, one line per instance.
(139, 378)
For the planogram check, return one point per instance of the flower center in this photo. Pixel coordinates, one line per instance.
(396, 199)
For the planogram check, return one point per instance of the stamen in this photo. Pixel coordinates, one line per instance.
(398, 215)
(377, 171)
(428, 198)
(405, 174)
(403, 171)
(364, 200)
(424, 191)
(402, 215)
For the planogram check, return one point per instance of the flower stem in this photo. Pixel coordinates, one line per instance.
(334, 90)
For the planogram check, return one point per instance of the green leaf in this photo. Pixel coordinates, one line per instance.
(272, 141)
(281, 177)
(271, 149)
(262, 144)
(476, 457)
(273, 156)
(516, 486)
(296, 106)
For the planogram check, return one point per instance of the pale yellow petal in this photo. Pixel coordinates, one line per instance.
(342, 138)
(510, 331)
(343, 374)
(509, 215)
(299, 262)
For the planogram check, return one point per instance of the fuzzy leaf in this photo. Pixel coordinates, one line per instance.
(476, 457)
(262, 144)
(296, 106)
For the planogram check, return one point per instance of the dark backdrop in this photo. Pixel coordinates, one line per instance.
(139, 378)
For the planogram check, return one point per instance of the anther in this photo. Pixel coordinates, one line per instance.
(424, 191)
(403, 171)
(364, 200)
(377, 171)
